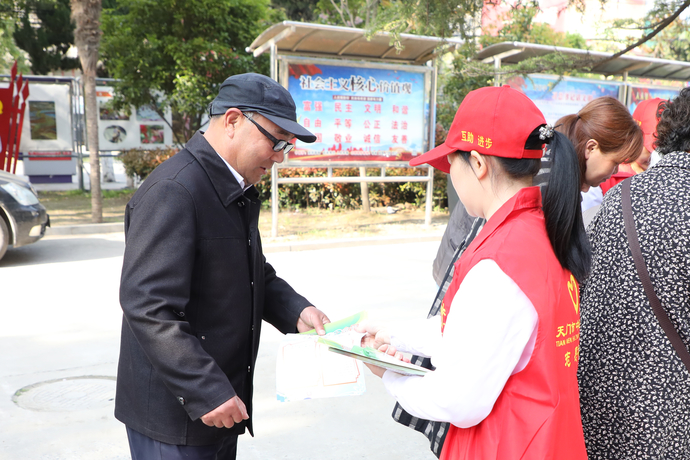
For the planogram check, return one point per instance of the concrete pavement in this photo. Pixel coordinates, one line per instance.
(60, 333)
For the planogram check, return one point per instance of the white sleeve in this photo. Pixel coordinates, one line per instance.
(421, 338)
(489, 335)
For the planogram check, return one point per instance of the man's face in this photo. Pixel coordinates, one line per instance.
(255, 156)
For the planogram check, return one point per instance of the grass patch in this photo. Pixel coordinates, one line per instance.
(73, 207)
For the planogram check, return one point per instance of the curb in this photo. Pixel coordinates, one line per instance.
(118, 227)
(86, 229)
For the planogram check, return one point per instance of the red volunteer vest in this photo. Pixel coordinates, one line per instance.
(537, 415)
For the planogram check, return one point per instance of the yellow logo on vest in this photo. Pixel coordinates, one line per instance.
(574, 293)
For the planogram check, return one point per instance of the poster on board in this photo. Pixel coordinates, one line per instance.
(121, 130)
(358, 113)
(557, 98)
(47, 120)
(642, 93)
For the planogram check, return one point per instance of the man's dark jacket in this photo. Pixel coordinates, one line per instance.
(195, 287)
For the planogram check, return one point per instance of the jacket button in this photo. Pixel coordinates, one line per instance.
(240, 204)
(249, 368)
(203, 337)
(181, 400)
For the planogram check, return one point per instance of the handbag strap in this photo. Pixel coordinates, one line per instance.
(642, 272)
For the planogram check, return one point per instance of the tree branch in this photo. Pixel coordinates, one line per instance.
(647, 37)
(339, 10)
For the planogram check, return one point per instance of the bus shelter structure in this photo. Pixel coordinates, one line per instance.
(370, 104)
(624, 66)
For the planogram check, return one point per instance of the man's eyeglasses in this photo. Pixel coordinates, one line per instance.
(278, 145)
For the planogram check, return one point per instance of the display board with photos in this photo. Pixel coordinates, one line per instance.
(142, 127)
(359, 113)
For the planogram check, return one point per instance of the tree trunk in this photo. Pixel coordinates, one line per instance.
(86, 15)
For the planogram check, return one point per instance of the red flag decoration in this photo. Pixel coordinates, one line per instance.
(11, 119)
(20, 124)
(297, 70)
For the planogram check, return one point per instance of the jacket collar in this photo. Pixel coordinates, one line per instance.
(525, 199)
(227, 187)
(674, 160)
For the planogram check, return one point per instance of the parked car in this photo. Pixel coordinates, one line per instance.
(23, 220)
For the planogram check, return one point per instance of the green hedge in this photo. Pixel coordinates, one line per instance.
(349, 195)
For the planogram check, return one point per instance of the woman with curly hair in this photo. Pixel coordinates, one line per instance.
(634, 388)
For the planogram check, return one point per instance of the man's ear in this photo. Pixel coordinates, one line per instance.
(230, 121)
(479, 164)
(589, 146)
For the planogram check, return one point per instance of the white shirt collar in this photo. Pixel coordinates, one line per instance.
(237, 175)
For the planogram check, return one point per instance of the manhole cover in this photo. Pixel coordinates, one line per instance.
(69, 394)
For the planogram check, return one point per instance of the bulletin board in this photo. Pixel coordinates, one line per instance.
(139, 128)
(359, 112)
(557, 97)
(639, 93)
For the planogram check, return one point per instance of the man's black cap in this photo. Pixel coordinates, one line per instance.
(251, 92)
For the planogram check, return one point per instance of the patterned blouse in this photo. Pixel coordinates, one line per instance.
(634, 389)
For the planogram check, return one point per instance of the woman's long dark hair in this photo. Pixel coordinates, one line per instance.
(560, 202)
(562, 211)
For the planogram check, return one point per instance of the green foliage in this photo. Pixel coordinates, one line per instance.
(519, 26)
(9, 51)
(297, 10)
(48, 41)
(139, 163)
(674, 41)
(468, 74)
(175, 54)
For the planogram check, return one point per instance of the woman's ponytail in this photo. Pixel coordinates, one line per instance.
(562, 211)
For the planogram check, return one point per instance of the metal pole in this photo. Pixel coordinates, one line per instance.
(274, 169)
(74, 119)
(429, 196)
(625, 88)
(432, 143)
(274, 200)
(274, 61)
(497, 69)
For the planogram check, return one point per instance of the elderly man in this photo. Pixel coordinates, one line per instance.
(195, 284)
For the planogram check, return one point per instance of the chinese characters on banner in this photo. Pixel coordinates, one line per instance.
(556, 98)
(641, 93)
(358, 114)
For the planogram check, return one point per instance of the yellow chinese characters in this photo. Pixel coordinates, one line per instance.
(468, 136)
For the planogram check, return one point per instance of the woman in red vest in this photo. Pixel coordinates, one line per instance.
(506, 356)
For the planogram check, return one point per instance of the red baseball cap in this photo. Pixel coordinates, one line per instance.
(493, 121)
(645, 116)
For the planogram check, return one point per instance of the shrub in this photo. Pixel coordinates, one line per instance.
(139, 163)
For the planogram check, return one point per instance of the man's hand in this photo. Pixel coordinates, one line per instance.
(227, 414)
(312, 318)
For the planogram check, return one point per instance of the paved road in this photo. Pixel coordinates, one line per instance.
(60, 324)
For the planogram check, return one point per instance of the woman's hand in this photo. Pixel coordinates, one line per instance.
(392, 351)
(376, 336)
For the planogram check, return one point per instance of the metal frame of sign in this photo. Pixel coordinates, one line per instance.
(279, 64)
